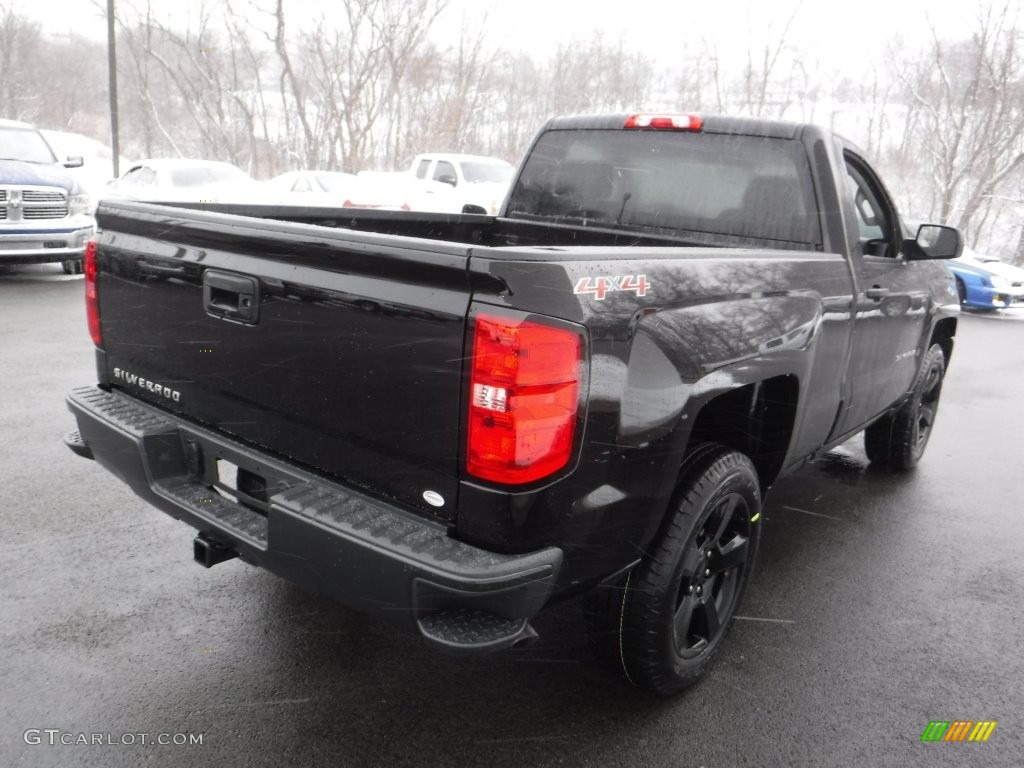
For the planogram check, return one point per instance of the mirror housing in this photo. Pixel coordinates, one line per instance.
(74, 161)
(934, 241)
(448, 179)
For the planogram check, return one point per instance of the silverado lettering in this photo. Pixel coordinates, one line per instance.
(149, 386)
(453, 421)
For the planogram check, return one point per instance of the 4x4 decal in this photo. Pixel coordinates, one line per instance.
(599, 287)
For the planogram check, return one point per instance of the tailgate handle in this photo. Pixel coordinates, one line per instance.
(231, 297)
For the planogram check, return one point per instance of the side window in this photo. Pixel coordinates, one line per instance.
(422, 168)
(875, 225)
(445, 172)
(145, 177)
(131, 178)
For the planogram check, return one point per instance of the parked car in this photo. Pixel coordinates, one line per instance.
(985, 282)
(312, 187)
(181, 180)
(44, 212)
(382, 190)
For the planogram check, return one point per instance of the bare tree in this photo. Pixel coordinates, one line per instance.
(365, 84)
(20, 46)
(340, 76)
(764, 61)
(967, 106)
(137, 30)
(54, 82)
(447, 102)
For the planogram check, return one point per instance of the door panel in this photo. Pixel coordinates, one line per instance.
(891, 307)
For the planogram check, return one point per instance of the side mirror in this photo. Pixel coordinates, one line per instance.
(74, 161)
(448, 179)
(472, 208)
(934, 241)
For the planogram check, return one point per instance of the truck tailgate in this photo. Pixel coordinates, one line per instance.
(335, 349)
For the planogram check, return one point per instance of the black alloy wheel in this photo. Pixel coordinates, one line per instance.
(713, 562)
(898, 439)
(678, 603)
(927, 403)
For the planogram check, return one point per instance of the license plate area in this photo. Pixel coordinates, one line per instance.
(240, 485)
(233, 474)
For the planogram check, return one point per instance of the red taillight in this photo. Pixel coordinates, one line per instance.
(92, 310)
(524, 395)
(667, 122)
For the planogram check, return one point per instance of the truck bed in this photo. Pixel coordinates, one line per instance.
(352, 365)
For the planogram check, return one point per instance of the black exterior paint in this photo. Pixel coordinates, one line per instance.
(355, 369)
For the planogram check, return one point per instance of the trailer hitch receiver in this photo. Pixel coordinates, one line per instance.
(207, 551)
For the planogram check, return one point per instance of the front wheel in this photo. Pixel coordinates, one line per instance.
(897, 440)
(680, 601)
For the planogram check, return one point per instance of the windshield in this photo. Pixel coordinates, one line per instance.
(738, 186)
(496, 172)
(198, 175)
(25, 144)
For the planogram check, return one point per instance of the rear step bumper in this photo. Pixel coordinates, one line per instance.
(329, 539)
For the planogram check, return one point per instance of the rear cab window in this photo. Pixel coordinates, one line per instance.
(736, 189)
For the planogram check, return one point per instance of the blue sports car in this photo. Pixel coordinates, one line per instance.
(984, 282)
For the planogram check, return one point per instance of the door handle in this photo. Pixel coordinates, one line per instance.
(231, 297)
(876, 292)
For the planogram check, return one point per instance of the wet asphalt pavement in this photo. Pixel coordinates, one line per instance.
(879, 603)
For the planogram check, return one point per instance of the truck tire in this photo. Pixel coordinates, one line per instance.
(680, 600)
(898, 439)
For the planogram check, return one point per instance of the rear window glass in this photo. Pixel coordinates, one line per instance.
(750, 188)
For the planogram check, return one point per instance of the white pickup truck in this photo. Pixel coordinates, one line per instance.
(449, 183)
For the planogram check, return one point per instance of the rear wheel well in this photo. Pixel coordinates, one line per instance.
(943, 334)
(756, 419)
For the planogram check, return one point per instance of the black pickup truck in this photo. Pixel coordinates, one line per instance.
(453, 421)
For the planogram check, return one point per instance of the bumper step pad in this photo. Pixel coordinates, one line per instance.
(468, 630)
